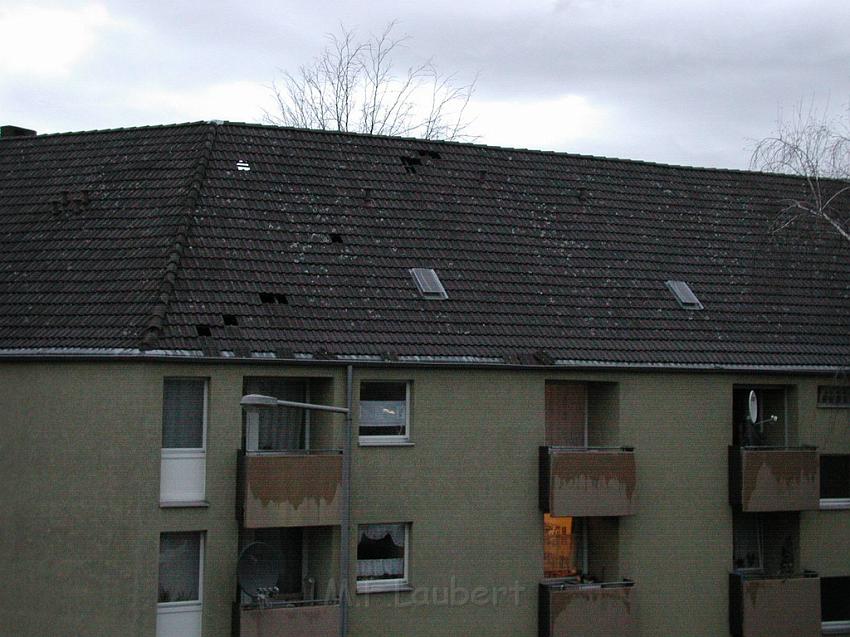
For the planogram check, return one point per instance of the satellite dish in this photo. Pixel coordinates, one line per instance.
(258, 569)
(753, 406)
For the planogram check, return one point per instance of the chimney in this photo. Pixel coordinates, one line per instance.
(8, 132)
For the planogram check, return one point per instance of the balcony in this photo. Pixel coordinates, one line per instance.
(776, 606)
(289, 488)
(568, 609)
(774, 478)
(587, 482)
(288, 620)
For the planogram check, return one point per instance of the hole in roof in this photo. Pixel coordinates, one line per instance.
(229, 319)
(243, 165)
(274, 298)
(431, 154)
(684, 295)
(336, 238)
(203, 330)
(410, 164)
(429, 283)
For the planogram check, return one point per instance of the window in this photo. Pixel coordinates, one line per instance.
(184, 424)
(684, 295)
(429, 283)
(766, 543)
(835, 605)
(382, 557)
(835, 482)
(747, 543)
(384, 412)
(278, 428)
(772, 426)
(583, 550)
(564, 547)
(179, 596)
(834, 396)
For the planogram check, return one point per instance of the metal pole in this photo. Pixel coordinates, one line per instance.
(345, 514)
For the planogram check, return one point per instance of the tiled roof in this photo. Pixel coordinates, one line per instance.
(154, 239)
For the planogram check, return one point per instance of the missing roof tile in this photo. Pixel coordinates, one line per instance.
(336, 238)
(274, 298)
(410, 164)
(430, 154)
(429, 283)
(203, 330)
(230, 319)
(684, 295)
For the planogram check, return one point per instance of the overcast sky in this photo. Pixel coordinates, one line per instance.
(675, 81)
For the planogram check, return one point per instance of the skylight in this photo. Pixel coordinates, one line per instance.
(684, 295)
(429, 283)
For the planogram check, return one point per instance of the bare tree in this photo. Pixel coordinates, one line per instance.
(353, 86)
(816, 147)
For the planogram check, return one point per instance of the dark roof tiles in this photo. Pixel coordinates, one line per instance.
(132, 238)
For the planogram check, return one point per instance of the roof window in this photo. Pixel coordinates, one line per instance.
(429, 283)
(684, 295)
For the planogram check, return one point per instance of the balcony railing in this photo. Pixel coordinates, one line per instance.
(587, 482)
(774, 606)
(774, 478)
(289, 488)
(568, 609)
(300, 619)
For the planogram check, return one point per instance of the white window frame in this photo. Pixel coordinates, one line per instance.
(174, 455)
(196, 606)
(389, 585)
(398, 440)
(834, 504)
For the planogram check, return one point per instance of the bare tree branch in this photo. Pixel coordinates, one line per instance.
(815, 147)
(352, 86)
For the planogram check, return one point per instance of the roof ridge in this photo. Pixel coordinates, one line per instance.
(438, 142)
(156, 321)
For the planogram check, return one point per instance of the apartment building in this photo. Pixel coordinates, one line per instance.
(260, 381)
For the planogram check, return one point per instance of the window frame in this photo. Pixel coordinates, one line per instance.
(829, 504)
(823, 389)
(387, 585)
(834, 627)
(193, 604)
(186, 453)
(387, 440)
(760, 542)
(205, 414)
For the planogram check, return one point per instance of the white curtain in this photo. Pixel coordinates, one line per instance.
(280, 427)
(380, 568)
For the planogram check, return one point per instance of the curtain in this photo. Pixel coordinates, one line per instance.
(380, 568)
(183, 413)
(179, 564)
(280, 427)
(380, 531)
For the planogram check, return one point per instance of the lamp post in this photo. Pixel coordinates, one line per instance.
(253, 403)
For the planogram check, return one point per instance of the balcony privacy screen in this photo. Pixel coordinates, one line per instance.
(179, 564)
(380, 551)
(280, 427)
(183, 413)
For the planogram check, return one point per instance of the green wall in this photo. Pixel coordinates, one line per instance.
(80, 457)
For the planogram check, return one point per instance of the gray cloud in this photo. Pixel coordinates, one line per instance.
(677, 82)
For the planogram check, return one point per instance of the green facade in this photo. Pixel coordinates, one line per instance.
(80, 445)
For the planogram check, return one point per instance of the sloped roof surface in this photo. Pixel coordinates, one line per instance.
(155, 239)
